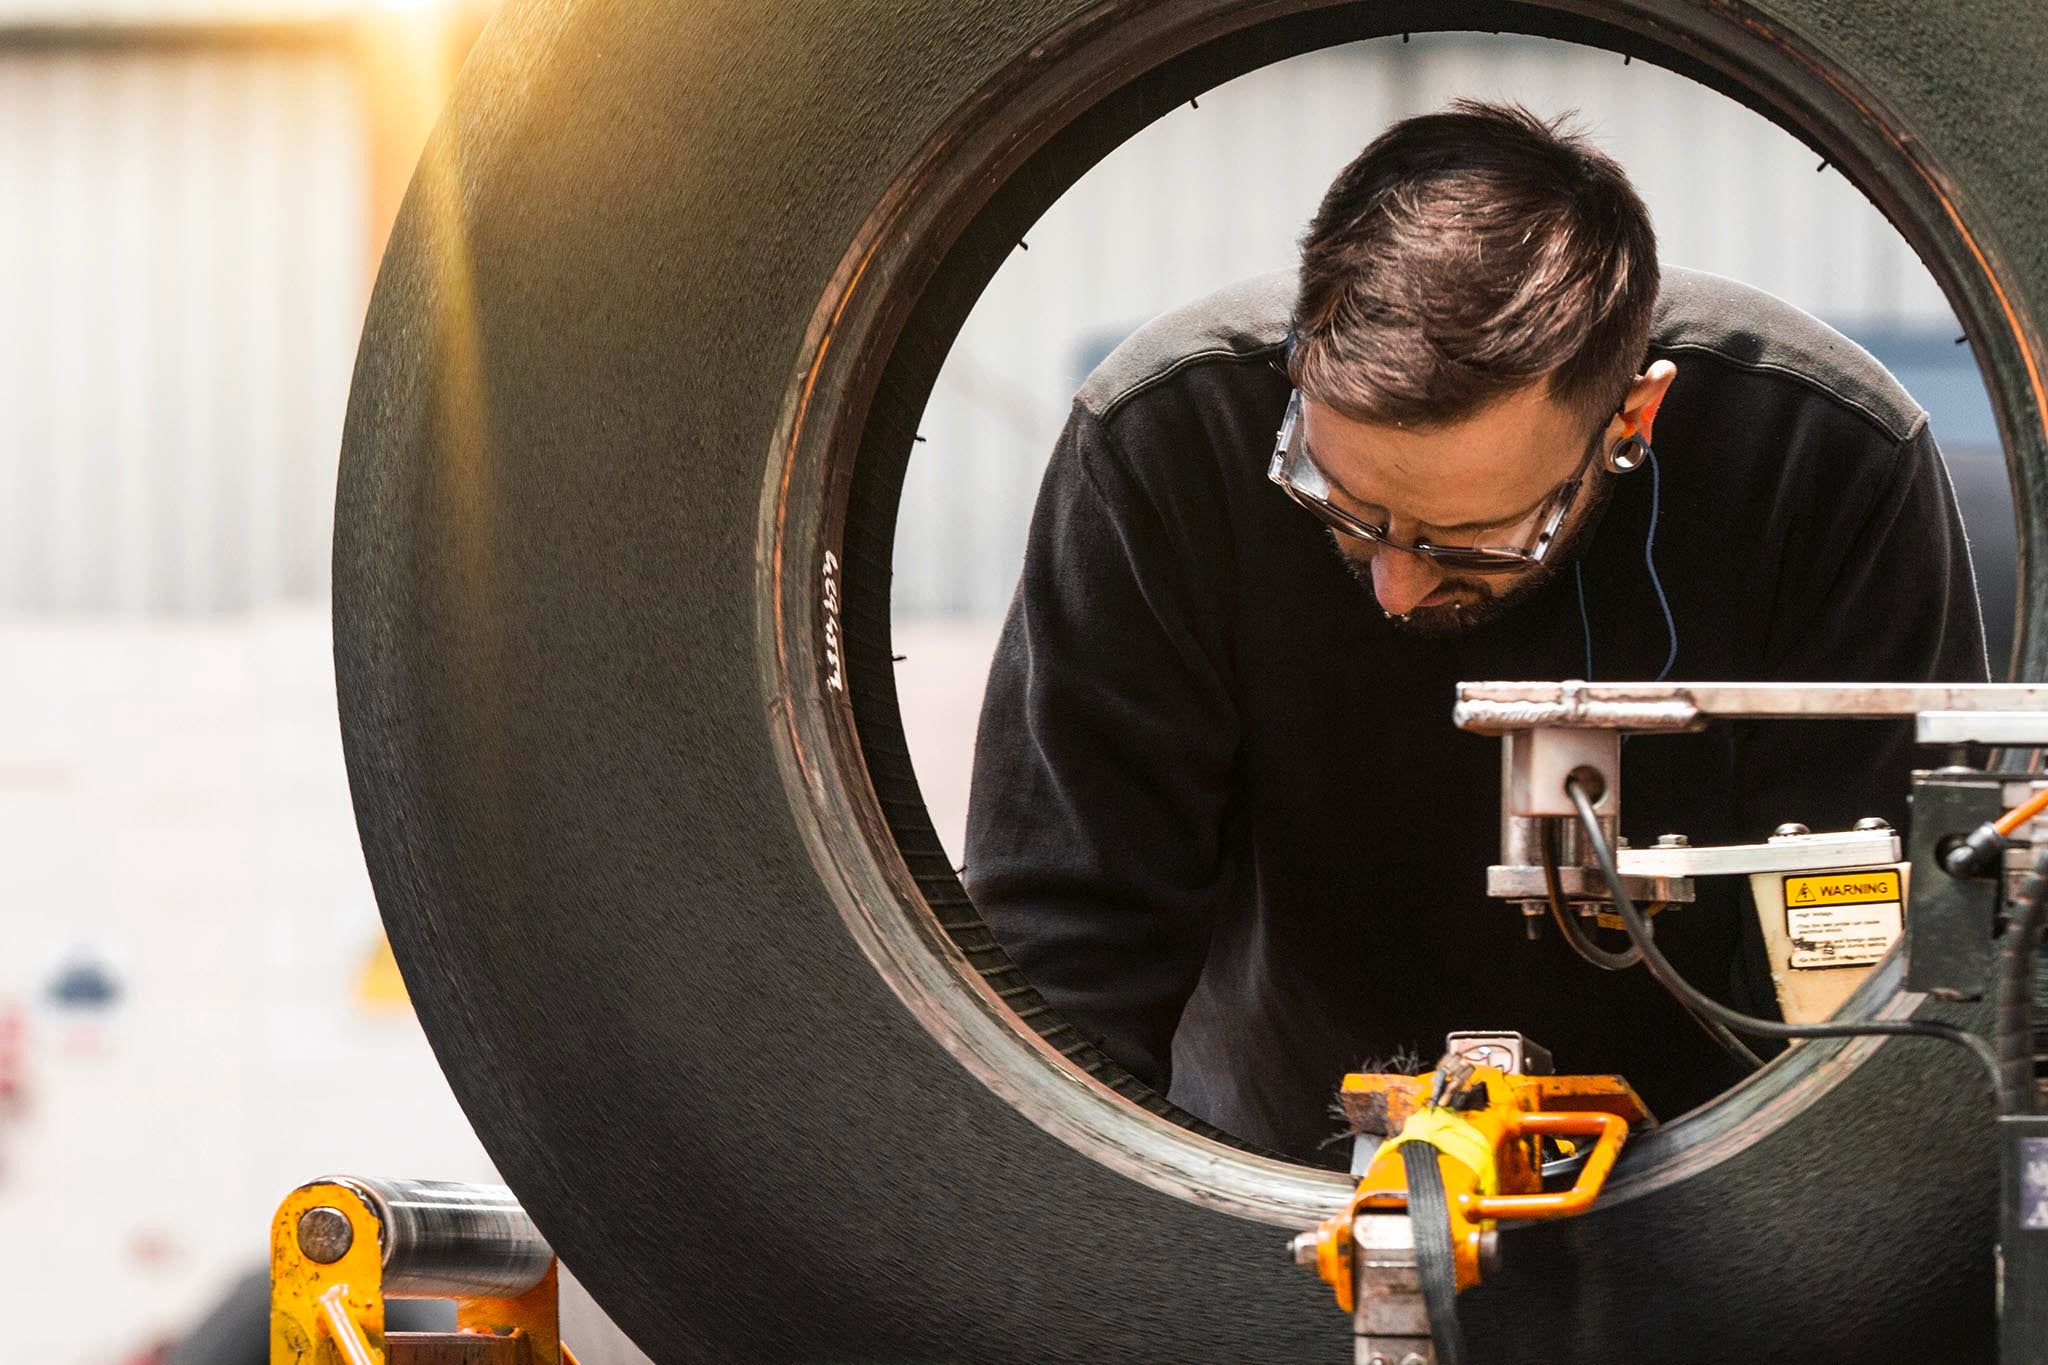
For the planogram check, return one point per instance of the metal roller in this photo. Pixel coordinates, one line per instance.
(446, 1239)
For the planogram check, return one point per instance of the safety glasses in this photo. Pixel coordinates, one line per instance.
(1502, 549)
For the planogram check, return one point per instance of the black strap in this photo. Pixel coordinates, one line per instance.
(1429, 1213)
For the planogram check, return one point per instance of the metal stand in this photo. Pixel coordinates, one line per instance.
(1951, 933)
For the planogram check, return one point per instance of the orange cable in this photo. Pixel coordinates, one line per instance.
(2020, 814)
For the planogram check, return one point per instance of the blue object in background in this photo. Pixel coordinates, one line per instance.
(84, 985)
(1942, 375)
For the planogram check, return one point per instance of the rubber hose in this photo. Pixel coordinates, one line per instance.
(1429, 1213)
(1582, 944)
(2014, 1029)
(1575, 937)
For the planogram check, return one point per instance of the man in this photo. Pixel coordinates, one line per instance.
(1220, 816)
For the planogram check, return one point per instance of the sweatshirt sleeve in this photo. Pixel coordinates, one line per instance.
(1096, 834)
(1878, 587)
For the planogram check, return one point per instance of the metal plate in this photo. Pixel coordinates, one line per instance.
(1948, 928)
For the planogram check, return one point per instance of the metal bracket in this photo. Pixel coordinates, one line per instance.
(1780, 853)
(1390, 1322)
(1949, 922)
(1982, 727)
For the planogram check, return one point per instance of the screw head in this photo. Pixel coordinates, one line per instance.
(1673, 841)
(1873, 822)
(325, 1234)
(1413, 1358)
(1791, 829)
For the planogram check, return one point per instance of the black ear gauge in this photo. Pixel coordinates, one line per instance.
(1627, 454)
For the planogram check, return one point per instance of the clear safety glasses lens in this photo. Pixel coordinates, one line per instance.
(1516, 547)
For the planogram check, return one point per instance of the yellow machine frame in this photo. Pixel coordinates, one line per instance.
(334, 1311)
(1487, 1153)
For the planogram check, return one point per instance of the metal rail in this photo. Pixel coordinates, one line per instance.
(1504, 707)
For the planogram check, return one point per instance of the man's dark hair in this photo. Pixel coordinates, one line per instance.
(1467, 254)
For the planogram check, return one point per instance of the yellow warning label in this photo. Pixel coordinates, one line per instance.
(1843, 888)
(1607, 919)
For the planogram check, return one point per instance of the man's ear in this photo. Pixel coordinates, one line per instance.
(1639, 410)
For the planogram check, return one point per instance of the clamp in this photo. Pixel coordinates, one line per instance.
(1467, 1148)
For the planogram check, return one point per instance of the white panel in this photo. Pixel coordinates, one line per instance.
(79, 315)
(186, 234)
(135, 264)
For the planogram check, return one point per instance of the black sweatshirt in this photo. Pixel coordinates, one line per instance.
(1220, 816)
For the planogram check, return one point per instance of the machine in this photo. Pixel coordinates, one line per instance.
(1488, 1135)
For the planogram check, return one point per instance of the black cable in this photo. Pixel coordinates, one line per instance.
(1706, 1005)
(1567, 922)
(2014, 1029)
(1429, 1215)
(1614, 962)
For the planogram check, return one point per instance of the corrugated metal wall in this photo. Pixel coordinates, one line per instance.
(182, 278)
(1214, 193)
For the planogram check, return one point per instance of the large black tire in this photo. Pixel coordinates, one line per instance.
(627, 426)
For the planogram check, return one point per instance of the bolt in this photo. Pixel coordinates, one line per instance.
(1873, 822)
(1791, 829)
(325, 1234)
(1302, 1250)
(1673, 841)
(1377, 1359)
(1413, 1358)
(1489, 1252)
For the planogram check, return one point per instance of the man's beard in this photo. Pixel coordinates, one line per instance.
(1479, 600)
(1474, 603)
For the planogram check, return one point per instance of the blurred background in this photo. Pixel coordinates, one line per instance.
(193, 197)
